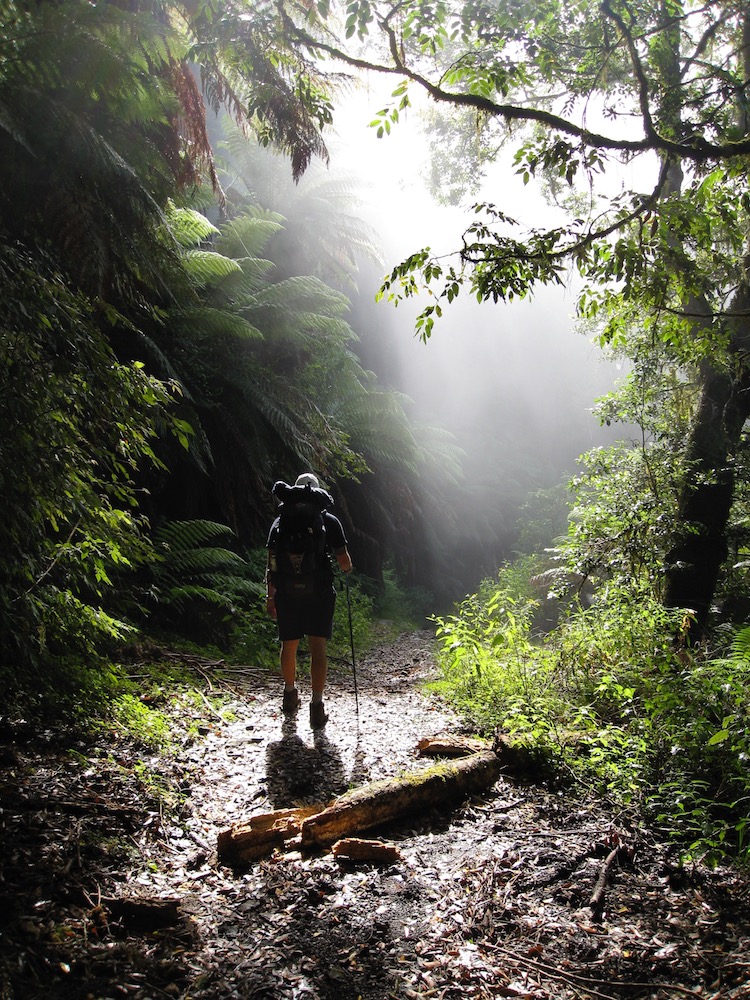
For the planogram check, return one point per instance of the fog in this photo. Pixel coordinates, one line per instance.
(514, 382)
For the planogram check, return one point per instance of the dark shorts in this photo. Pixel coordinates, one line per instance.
(300, 616)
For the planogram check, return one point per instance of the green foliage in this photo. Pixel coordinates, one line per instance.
(198, 585)
(361, 622)
(490, 666)
(616, 700)
(146, 725)
(624, 509)
(542, 518)
(77, 426)
(405, 607)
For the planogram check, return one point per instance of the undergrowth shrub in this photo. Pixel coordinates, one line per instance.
(199, 584)
(403, 607)
(616, 701)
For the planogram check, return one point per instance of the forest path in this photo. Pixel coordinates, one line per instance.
(492, 899)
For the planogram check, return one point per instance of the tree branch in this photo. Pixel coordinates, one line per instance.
(643, 95)
(694, 148)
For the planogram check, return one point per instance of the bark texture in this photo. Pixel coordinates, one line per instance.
(700, 548)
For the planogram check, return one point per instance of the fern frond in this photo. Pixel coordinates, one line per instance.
(214, 324)
(237, 586)
(182, 535)
(201, 562)
(189, 228)
(208, 268)
(248, 235)
(740, 645)
(188, 594)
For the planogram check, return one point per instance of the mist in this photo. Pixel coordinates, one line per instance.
(515, 383)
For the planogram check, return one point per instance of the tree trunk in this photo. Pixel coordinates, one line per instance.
(699, 549)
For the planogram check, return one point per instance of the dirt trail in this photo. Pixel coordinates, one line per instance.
(490, 900)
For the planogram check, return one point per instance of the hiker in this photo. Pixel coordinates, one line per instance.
(299, 582)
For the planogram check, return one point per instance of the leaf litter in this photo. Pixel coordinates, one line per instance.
(111, 887)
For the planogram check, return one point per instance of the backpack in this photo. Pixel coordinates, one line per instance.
(302, 564)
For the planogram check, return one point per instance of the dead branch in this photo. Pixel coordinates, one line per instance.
(597, 896)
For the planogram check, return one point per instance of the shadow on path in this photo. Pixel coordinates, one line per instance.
(300, 774)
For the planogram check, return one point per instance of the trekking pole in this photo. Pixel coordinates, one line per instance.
(351, 641)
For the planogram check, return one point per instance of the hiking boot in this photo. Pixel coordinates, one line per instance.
(318, 717)
(291, 702)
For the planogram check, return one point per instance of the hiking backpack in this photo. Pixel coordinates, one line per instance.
(302, 563)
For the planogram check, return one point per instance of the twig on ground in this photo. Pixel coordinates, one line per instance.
(597, 896)
(585, 982)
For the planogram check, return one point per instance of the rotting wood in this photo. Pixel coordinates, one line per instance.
(259, 836)
(356, 849)
(363, 808)
(451, 746)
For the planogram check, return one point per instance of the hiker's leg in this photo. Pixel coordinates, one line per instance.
(318, 673)
(318, 663)
(288, 661)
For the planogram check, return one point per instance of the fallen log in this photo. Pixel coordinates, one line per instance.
(451, 746)
(376, 851)
(261, 834)
(384, 801)
(372, 805)
(143, 913)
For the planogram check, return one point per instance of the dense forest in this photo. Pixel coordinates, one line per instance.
(187, 319)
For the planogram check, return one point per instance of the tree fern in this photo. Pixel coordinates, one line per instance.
(324, 232)
(192, 572)
(248, 234)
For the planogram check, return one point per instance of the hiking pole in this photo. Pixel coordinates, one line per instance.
(351, 641)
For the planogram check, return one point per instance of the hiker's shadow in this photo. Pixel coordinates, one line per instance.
(299, 774)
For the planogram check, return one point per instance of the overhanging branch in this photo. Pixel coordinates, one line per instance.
(692, 148)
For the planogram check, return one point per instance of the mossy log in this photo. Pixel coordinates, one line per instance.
(384, 801)
(372, 805)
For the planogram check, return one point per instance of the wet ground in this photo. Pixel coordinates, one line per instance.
(111, 885)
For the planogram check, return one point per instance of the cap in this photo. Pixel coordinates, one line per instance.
(307, 479)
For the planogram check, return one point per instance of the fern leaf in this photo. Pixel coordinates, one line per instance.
(248, 235)
(208, 268)
(194, 593)
(741, 645)
(181, 535)
(189, 227)
(216, 323)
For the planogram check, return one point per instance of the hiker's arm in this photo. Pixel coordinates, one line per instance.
(343, 559)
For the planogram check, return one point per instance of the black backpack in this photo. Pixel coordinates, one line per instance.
(302, 564)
